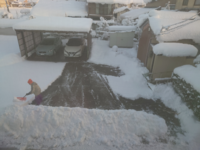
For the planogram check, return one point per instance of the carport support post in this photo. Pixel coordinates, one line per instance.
(33, 39)
(24, 44)
(88, 44)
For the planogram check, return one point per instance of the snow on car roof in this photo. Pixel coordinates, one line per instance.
(56, 24)
(182, 27)
(60, 8)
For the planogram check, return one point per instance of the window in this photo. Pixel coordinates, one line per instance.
(172, 6)
(185, 2)
(103, 9)
(197, 2)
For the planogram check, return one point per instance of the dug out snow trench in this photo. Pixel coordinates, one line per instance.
(85, 85)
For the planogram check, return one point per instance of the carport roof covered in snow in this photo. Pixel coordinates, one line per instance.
(64, 24)
(30, 32)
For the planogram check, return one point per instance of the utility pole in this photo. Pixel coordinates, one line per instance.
(7, 6)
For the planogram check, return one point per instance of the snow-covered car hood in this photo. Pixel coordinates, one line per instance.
(45, 48)
(72, 48)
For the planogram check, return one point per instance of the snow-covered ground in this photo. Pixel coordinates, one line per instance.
(77, 128)
(18, 17)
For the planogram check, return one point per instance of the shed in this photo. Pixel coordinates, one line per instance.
(168, 28)
(121, 36)
(30, 32)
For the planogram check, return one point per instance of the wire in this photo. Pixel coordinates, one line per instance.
(178, 27)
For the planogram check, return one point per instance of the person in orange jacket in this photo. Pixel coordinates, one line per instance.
(35, 89)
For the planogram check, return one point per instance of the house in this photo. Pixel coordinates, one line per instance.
(2, 3)
(162, 3)
(118, 11)
(187, 4)
(105, 8)
(60, 9)
(167, 41)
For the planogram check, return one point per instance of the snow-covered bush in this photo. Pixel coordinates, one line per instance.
(128, 22)
(115, 48)
(105, 36)
(25, 11)
(93, 33)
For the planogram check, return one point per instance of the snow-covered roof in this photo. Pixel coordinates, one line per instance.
(60, 8)
(56, 24)
(197, 60)
(120, 9)
(119, 1)
(121, 28)
(135, 13)
(175, 50)
(190, 74)
(180, 29)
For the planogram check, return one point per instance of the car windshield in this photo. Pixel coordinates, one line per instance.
(74, 42)
(47, 42)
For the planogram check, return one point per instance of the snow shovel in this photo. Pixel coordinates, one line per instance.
(21, 98)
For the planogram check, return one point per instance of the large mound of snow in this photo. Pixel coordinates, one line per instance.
(119, 1)
(175, 28)
(60, 127)
(62, 9)
(175, 50)
(135, 13)
(190, 74)
(56, 24)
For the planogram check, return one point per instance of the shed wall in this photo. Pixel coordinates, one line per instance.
(163, 66)
(122, 39)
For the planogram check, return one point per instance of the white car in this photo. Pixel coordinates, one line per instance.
(74, 47)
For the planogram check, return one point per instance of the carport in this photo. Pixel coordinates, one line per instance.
(30, 32)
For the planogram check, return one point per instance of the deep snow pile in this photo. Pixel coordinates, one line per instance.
(52, 127)
(190, 74)
(133, 80)
(175, 50)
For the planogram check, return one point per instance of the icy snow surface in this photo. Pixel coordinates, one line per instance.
(60, 127)
(190, 74)
(175, 50)
(133, 80)
(60, 8)
(179, 30)
(56, 24)
(119, 1)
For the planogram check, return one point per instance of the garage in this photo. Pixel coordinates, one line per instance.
(30, 33)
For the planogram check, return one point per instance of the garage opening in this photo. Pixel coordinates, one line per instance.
(31, 33)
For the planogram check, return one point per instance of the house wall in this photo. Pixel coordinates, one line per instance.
(2, 3)
(92, 10)
(144, 43)
(179, 4)
(163, 66)
(158, 3)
